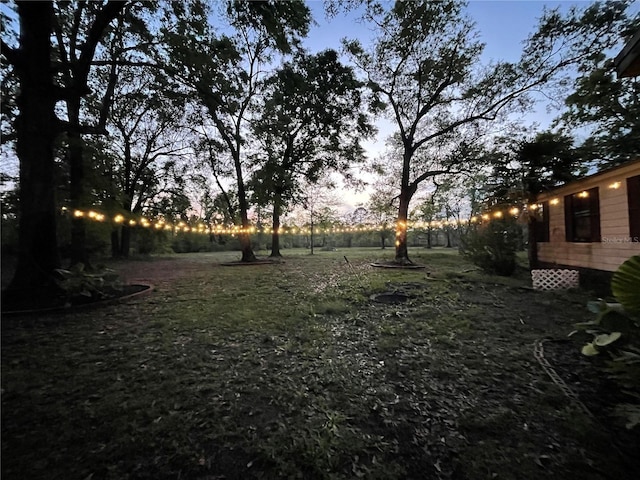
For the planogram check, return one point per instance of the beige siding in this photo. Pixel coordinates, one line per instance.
(616, 246)
(556, 222)
(614, 211)
(600, 256)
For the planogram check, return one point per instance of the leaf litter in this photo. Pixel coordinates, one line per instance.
(442, 386)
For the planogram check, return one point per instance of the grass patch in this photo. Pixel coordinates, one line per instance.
(290, 371)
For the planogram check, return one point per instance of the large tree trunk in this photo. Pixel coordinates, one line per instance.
(245, 237)
(275, 236)
(406, 193)
(312, 234)
(402, 254)
(36, 131)
(245, 241)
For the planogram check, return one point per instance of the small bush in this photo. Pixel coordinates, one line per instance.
(191, 242)
(493, 246)
(80, 285)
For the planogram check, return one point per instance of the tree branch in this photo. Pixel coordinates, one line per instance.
(110, 11)
(11, 54)
(126, 63)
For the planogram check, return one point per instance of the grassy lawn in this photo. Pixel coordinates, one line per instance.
(290, 370)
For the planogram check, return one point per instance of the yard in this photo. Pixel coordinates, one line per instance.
(292, 370)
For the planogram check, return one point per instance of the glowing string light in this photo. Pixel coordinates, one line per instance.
(401, 226)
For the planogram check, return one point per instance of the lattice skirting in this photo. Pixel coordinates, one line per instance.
(555, 279)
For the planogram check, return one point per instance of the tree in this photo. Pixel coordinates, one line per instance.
(525, 167)
(429, 211)
(47, 76)
(147, 139)
(8, 85)
(79, 29)
(39, 70)
(209, 152)
(310, 124)
(382, 210)
(355, 219)
(451, 195)
(425, 65)
(320, 204)
(226, 70)
(38, 253)
(608, 108)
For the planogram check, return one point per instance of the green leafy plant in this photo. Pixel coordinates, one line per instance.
(607, 328)
(616, 332)
(493, 246)
(615, 319)
(80, 284)
(625, 285)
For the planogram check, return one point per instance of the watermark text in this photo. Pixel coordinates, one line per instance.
(620, 239)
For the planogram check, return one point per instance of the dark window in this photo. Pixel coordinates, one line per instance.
(633, 196)
(541, 224)
(582, 216)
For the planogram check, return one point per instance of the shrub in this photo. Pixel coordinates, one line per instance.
(80, 285)
(145, 241)
(493, 246)
(190, 242)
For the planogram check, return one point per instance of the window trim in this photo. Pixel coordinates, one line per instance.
(594, 216)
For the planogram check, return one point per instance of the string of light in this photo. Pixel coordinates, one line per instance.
(201, 227)
(514, 211)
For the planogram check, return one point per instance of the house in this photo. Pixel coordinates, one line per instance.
(627, 62)
(592, 223)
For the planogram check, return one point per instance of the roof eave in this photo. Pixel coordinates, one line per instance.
(627, 62)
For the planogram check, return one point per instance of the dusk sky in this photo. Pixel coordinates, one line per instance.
(503, 26)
